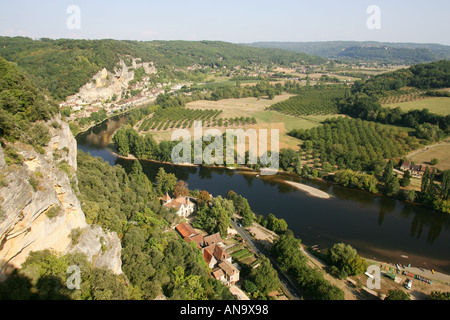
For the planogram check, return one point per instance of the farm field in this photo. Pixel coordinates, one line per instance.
(252, 108)
(265, 119)
(438, 105)
(312, 102)
(440, 152)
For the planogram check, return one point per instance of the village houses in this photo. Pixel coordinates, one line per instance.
(214, 253)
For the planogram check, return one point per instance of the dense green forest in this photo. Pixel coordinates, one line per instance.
(23, 107)
(388, 55)
(62, 66)
(43, 276)
(386, 52)
(155, 262)
(423, 76)
(364, 102)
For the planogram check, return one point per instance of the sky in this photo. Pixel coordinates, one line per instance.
(243, 21)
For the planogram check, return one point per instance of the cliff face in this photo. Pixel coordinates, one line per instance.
(40, 210)
(105, 84)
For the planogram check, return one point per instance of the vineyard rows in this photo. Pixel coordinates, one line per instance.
(183, 118)
(311, 102)
(404, 97)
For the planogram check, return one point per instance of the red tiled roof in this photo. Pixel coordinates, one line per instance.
(207, 255)
(220, 253)
(214, 238)
(176, 203)
(228, 268)
(218, 273)
(185, 230)
(166, 197)
(198, 238)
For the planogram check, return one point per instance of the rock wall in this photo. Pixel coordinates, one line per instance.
(39, 208)
(105, 84)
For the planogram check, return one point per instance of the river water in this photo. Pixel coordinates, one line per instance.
(379, 227)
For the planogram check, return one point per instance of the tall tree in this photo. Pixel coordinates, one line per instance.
(425, 181)
(388, 173)
(406, 180)
(265, 277)
(203, 197)
(165, 182)
(181, 189)
(445, 184)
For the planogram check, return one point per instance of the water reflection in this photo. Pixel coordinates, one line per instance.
(374, 225)
(100, 136)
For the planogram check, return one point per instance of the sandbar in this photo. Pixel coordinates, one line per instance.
(312, 191)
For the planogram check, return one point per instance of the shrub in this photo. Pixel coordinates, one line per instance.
(53, 211)
(75, 235)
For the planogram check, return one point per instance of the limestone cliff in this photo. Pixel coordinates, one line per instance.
(39, 208)
(104, 85)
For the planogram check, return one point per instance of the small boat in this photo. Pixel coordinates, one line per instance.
(432, 271)
(397, 266)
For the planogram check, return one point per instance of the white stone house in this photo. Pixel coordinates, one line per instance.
(183, 206)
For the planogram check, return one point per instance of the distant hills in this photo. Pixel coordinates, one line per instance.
(62, 66)
(387, 52)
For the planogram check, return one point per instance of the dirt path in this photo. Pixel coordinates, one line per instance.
(444, 143)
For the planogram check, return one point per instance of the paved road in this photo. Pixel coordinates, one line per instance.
(286, 283)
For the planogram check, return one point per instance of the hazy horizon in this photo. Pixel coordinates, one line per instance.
(231, 21)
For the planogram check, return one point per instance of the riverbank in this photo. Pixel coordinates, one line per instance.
(109, 117)
(310, 190)
(361, 216)
(421, 290)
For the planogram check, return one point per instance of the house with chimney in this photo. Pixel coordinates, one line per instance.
(213, 252)
(183, 206)
(414, 169)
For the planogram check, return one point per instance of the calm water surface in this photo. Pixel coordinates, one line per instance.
(378, 227)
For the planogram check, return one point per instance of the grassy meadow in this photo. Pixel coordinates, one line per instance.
(438, 105)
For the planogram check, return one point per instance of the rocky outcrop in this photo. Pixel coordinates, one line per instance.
(40, 210)
(104, 85)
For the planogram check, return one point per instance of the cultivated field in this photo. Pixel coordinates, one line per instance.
(440, 152)
(437, 105)
(253, 108)
(265, 119)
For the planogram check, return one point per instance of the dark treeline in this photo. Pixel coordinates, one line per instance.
(320, 99)
(388, 55)
(368, 108)
(128, 141)
(364, 103)
(286, 250)
(432, 75)
(261, 89)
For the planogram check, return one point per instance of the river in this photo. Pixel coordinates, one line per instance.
(380, 228)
